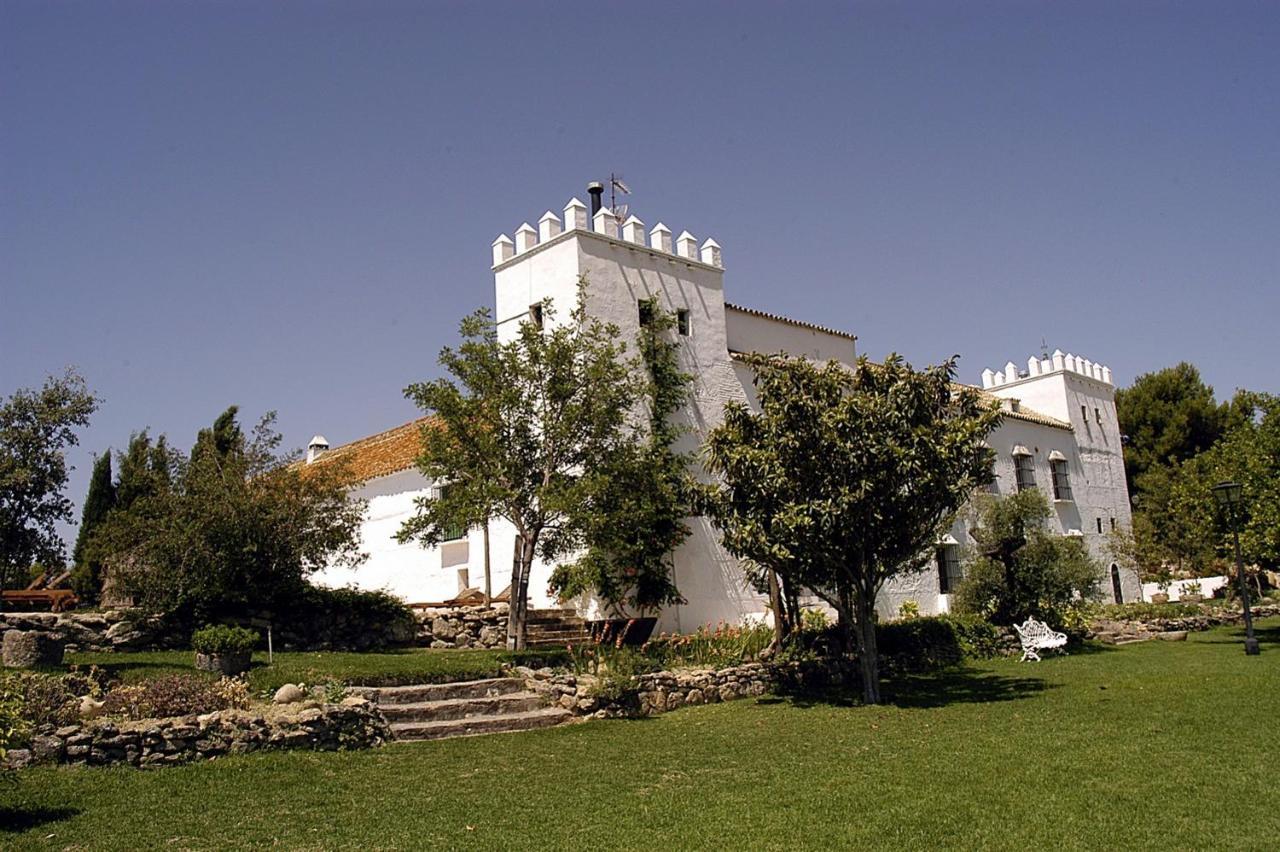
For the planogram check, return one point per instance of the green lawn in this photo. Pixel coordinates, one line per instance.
(414, 665)
(1159, 745)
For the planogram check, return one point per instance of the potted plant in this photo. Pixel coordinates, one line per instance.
(1163, 581)
(224, 649)
(1191, 592)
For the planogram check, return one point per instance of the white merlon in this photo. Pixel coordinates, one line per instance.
(988, 377)
(1106, 375)
(660, 238)
(548, 226)
(503, 249)
(1058, 360)
(1010, 371)
(711, 252)
(526, 238)
(319, 446)
(687, 245)
(575, 215)
(633, 230)
(1033, 366)
(605, 223)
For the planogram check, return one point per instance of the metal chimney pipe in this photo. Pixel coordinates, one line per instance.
(596, 190)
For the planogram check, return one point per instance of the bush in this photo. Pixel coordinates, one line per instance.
(724, 646)
(13, 726)
(223, 639)
(1022, 570)
(175, 695)
(346, 620)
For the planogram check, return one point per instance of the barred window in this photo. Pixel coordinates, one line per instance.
(949, 571)
(1061, 480)
(453, 533)
(1024, 469)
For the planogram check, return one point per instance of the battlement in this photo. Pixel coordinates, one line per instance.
(605, 224)
(1055, 363)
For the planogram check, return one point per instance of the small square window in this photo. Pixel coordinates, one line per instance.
(1097, 414)
(535, 315)
(644, 310)
(1061, 480)
(682, 321)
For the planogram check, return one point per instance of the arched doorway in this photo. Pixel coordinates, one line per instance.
(1115, 583)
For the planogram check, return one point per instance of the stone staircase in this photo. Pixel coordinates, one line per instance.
(549, 628)
(440, 710)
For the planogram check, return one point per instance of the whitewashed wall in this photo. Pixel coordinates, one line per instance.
(1208, 587)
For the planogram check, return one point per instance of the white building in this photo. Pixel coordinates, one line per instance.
(626, 263)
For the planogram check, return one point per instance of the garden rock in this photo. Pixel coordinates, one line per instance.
(289, 694)
(90, 707)
(24, 649)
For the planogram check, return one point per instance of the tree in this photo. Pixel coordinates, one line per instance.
(1020, 569)
(36, 430)
(1167, 417)
(222, 533)
(846, 477)
(639, 498)
(98, 502)
(517, 431)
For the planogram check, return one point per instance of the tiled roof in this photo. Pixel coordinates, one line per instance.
(1023, 413)
(382, 454)
(799, 323)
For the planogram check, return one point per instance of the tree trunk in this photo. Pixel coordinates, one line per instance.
(845, 620)
(488, 581)
(868, 653)
(518, 610)
(779, 616)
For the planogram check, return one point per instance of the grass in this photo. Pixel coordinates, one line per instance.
(1159, 745)
(414, 665)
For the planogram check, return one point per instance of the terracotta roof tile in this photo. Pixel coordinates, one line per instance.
(382, 454)
(799, 323)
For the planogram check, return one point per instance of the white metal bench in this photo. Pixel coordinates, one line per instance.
(1036, 636)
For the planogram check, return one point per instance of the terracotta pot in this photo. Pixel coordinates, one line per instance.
(1160, 597)
(227, 664)
(1191, 598)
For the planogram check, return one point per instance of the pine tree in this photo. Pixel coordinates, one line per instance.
(101, 499)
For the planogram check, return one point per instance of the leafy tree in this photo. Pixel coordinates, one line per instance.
(846, 477)
(1020, 569)
(1167, 417)
(36, 429)
(238, 529)
(639, 498)
(100, 500)
(517, 431)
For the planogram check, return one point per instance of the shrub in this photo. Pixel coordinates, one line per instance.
(223, 639)
(346, 619)
(13, 726)
(1022, 570)
(176, 695)
(909, 609)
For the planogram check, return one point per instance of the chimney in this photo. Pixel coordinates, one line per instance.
(318, 447)
(596, 190)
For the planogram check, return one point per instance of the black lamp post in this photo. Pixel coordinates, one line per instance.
(1229, 496)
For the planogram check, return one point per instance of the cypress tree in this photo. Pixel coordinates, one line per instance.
(100, 500)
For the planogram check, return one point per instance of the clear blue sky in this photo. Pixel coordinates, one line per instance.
(289, 205)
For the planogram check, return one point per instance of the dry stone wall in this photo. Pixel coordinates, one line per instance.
(352, 724)
(112, 630)
(463, 626)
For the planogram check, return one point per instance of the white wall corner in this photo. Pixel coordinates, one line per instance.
(660, 238)
(575, 215)
(526, 238)
(710, 252)
(605, 223)
(687, 245)
(633, 230)
(548, 226)
(503, 249)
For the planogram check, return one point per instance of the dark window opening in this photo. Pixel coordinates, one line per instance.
(1099, 524)
(450, 533)
(1113, 524)
(1061, 480)
(535, 316)
(682, 321)
(949, 571)
(645, 312)
(1024, 469)
(1116, 591)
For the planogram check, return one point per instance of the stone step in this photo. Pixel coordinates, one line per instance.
(385, 696)
(529, 720)
(463, 708)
